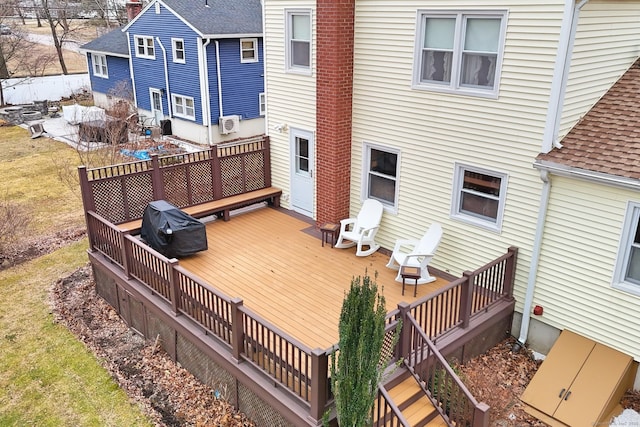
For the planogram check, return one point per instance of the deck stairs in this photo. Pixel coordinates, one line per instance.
(409, 397)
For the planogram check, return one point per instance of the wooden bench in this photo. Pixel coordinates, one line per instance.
(224, 206)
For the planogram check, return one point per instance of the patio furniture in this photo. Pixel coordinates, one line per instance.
(416, 253)
(361, 231)
(408, 272)
(329, 230)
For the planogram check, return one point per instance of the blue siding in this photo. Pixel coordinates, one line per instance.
(242, 83)
(118, 70)
(183, 78)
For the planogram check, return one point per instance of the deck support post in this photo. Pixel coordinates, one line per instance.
(404, 340)
(237, 329)
(125, 244)
(466, 298)
(174, 288)
(510, 271)
(481, 415)
(319, 383)
(157, 185)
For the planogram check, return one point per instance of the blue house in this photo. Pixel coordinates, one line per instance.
(196, 65)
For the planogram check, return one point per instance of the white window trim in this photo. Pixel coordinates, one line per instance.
(100, 61)
(174, 49)
(146, 48)
(262, 104)
(255, 50)
(287, 50)
(366, 162)
(458, 180)
(175, 104)
(454, 86)
(622, 260)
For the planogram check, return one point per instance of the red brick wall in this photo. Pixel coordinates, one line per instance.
(334, 61)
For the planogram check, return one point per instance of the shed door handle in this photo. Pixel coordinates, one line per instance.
(561, 392)
(567, 395)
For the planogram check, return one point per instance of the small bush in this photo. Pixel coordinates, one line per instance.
(14, 220)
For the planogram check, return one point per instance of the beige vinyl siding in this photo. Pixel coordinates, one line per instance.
(434, 130)
(579, 251)
(606, 45)
(291, 98)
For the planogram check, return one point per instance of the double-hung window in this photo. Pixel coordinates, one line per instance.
(183, 106)
(298, 48)
(248, 50)
(145, 47)
(479, 196)
(100, 65)
(627, 270)
(381, 172)
(178, 51)
(459, 51)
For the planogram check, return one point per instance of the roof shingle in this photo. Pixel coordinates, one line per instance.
(607, 139)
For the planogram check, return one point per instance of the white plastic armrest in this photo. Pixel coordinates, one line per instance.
(344, 223)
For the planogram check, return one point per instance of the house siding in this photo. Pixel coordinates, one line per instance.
(434, 130)
(241, 82)
(119, 82)
(579, 251)
(605, 29)
(184, 79)
(291, 97)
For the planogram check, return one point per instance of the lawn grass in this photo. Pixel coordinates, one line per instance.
(47, 377)
(30, 178)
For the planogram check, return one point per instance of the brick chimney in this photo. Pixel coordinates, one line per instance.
(334, 87)
(133, 9)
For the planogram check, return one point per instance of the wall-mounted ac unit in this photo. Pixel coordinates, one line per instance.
(229, 124)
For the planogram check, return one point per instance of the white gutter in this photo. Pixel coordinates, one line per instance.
(219, 78)
(207, 95)
(166, 76)
(535, 257)
(560, 74)
(133, 81)
(264, 69)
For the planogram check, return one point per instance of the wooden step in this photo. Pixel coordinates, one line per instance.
(414, 404)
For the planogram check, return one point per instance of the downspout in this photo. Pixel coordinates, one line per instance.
(219, 78)
(535, 259)
(560, 74)
(206, 86)
(166, 77)
(133, 81)
(264, 69)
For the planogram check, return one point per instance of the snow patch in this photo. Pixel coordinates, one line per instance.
(628, 418)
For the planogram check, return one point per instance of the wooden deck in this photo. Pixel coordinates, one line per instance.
(276, 263)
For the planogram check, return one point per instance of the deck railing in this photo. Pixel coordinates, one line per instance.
(303, 372)
(120, 193)
(439, 382)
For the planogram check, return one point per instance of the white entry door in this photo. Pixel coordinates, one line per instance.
(302, 162)
(156, 105)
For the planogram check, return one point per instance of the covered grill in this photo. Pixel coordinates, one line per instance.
(171, 231)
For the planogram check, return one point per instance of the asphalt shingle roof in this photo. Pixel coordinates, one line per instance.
(219, 17)
(114, 42)
(607, 139)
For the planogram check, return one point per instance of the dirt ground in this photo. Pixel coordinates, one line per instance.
(171, 396)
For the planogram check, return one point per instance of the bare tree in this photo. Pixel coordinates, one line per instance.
(12, 48)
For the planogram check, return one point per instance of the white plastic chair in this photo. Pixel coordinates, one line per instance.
(416, 253)
(361, 231)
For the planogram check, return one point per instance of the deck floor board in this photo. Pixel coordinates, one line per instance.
(282, 272)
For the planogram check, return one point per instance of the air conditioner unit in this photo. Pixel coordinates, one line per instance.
(229, 124)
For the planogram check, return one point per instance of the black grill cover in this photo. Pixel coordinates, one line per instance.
(172, 232)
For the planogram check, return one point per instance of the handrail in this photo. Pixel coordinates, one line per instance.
(447, 392)
(385, 411)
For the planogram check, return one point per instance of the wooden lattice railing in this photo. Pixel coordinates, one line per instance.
(120, 193)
